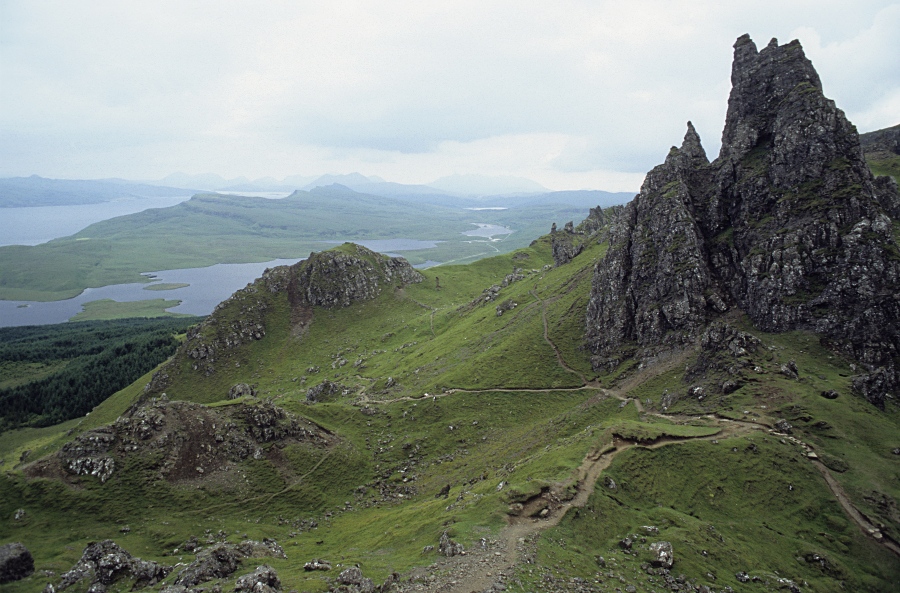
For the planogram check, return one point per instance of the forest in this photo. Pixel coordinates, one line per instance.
(53, 373)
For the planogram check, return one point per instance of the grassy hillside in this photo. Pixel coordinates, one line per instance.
(494, 429)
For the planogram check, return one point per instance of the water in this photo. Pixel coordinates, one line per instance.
(208, 287)
(487, 230)
(31, 226)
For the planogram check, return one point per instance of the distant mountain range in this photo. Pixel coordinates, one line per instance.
(457, 190)
(18, 192)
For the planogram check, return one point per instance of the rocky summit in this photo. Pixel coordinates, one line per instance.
(788, 225)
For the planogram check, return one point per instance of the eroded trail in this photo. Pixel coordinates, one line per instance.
(559, 357)
(490, 562)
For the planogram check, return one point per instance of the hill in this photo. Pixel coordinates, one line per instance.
(640, 402)
(19, 192)
(882, 151)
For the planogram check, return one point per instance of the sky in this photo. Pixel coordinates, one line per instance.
(572, 94)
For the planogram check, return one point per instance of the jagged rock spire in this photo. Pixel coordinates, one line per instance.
(760, 82)
(788, 224)
(691, 145)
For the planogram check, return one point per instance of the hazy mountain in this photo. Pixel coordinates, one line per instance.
(40, 191)
(485, 185)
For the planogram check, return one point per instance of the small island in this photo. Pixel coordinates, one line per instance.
(166, 286)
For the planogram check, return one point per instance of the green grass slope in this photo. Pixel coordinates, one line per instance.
(514, 423)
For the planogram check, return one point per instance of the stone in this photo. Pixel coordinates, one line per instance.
(16, 562)
(263, 580)
(663, 556)
(105, 563)
(222, 560)
(317, 564)
(448, 547)
(323, 390)
(783, 426)
(241, 390)
(350, 576)
(829, 394)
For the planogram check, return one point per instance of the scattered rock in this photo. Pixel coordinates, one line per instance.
(829, 394)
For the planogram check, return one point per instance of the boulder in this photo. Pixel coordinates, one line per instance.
(317, 564)
(448, 547)
(216, 562)
(263, 580)
(241, 390)
(783, 426)
(663, 556)
(323, 390)
(16, 562)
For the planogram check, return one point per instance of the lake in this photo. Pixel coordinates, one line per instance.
(207, 288)
(32, 226)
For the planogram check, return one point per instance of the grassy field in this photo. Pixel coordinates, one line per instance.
(110, 309)
(468, 412)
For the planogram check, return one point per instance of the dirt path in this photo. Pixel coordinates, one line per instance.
(860, 519)
(490, 563)
(559, 357)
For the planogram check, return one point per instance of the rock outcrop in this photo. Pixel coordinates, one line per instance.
(353, 273)
(186, 440)
(263, 580)
(787, 224)
(572, 240)
(16, 562)
(104, 563)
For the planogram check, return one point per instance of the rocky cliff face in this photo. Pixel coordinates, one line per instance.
(787, 224)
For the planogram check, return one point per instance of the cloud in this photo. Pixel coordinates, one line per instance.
(567, 93)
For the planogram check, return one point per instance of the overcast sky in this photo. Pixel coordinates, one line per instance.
(572, 94)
